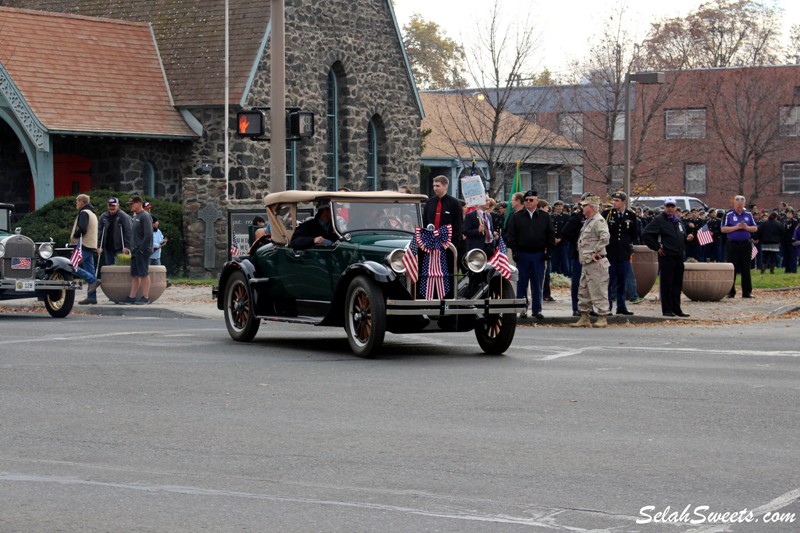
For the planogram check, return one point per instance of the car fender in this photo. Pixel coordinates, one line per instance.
(245, 266)
(376, 271)
(57, 263)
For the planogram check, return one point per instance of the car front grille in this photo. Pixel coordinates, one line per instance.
(20, 251)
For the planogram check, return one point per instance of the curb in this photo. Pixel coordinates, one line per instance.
(147, 311)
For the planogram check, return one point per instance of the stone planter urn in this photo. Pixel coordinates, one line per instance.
(645, 268)
(116, 282)
(707, 282)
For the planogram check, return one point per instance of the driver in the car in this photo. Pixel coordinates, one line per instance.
(315, 232)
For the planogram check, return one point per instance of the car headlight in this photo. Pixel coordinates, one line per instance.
(2, 249)
(46, 250)
(395, 260)
(475, 260)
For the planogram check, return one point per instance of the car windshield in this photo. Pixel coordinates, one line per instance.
(355, 216)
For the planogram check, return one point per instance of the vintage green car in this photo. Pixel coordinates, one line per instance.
(359, 281)
(30, 270)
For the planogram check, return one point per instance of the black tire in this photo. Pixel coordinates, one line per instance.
(59, 303)
(496, 333)
(365, 317)
(239, 308)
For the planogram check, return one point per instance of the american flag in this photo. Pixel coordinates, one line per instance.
(704, 236)
(234, 246)
(500, 260)
(77, 255)
(753, 252)
(410, 261)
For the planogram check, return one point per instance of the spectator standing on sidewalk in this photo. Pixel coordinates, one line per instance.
(770, 235)
(593, 289)
(570, 233)
(84, 232)
(141, 249)
(114, 232)
(738, 227)
(667, 235)
(560, 261)
(789, 251)
(158, 242)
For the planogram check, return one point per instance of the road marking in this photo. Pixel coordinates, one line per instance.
(562, 351)
(545, 520)
(84, 336)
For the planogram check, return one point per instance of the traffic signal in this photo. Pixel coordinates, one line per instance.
(250, 123)
(301, 124)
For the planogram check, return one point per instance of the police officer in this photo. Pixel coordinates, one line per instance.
(623, 225)
(593, 289)
(738, 227)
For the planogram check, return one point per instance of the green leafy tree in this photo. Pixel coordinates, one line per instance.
(436, 60)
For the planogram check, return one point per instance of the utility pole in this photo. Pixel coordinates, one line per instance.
(277, 115)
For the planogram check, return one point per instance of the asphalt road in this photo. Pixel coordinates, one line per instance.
(121, 424)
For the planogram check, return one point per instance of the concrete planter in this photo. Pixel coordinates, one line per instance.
(707, 282)
(645, 268)
(116, 283)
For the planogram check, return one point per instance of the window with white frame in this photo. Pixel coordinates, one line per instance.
(685, 124)
(619, 127)
(790, 121)
(790, 177)
(525, 181)
(570, 125)
(577, 180)
(553, 186)
(694, 178)
(617, 178)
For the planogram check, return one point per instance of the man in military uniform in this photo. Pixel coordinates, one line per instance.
(560, 262)
(623, 225)
(593, 289)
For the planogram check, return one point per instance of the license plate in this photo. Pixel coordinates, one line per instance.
(20, 263)
(26, 285)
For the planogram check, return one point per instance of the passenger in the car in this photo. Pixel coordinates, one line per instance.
(317, 231)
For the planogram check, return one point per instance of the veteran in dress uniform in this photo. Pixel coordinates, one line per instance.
(593, 288)
(623, 225)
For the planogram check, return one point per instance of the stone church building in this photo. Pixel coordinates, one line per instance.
(129, 96)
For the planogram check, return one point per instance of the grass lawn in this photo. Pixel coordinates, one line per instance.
(777, 280)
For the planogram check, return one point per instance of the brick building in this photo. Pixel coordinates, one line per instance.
(129, 96)
(709, 133)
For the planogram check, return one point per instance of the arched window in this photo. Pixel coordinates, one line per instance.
(291, 165)
(332, 144)
(149, 176)
(372, 156)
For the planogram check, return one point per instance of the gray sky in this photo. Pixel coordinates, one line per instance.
(565, 26)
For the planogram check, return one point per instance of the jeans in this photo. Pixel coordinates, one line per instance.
(86, 270)
(531, 271)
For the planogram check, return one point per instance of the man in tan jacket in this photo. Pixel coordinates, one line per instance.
(593, 288)
(84, 231)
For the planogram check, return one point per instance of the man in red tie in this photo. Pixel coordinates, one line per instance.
(442, 209)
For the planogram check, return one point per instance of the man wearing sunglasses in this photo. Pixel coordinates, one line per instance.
(739, 226)
(531, 237)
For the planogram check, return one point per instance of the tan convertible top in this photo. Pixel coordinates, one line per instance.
(287, 197)
(282, 230)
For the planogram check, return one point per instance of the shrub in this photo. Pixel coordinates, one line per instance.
(55, 220)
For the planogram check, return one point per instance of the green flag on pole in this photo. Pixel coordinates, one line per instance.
(516, 184)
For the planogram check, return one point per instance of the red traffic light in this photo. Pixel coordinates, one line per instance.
(250, 123)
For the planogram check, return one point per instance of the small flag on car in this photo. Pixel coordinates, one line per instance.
(234, 246)
(410, 262)
(500, 260)
(704, 236)
(77, 255)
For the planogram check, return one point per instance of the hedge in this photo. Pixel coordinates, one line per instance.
(55, 220)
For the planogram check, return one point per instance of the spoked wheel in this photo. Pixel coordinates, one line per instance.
(365, 320)
(59, 303)
(496, 332)
(240, 316)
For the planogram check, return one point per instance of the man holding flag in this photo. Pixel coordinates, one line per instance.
(84, 237)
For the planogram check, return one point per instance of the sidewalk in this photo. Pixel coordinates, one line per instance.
(183, 301)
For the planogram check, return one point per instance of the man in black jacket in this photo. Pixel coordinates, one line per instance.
(442, 209)
(317, 231)
(530, 236)
(667, 235)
